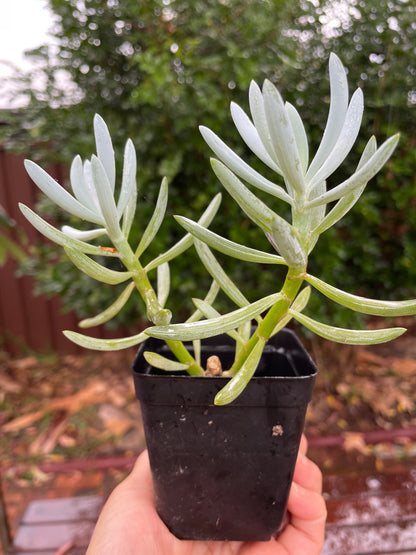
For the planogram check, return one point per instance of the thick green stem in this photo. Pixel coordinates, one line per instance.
(276, 313)
(155, 312)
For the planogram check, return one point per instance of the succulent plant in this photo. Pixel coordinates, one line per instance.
(276, 135)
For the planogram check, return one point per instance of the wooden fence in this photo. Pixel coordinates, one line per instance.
(27, 322)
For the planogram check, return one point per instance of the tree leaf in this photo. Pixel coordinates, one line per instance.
(105, 344)
(228, 247)
(156, 220)
(163, 363)
(342, 335)
(237, 384)
(95, 270)
(187, 240)
(214, 326)
(111, 311)
(362, 304)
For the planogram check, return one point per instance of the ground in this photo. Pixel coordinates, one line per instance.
(58, 409)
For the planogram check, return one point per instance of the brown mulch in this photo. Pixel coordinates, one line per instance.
(60, 408)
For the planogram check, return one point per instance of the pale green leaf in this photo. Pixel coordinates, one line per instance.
(258, 114)
(209, 312)
(105, 151)
(156, 219)
(128, 182)
(163, 283)
(58, 236)
(95, 270)
(345, 141)
(111, 311)
(362, 304)
(163, 363)
(283, 237)
(216, 271)
(209, 298)
(215, 326)
(342, 335)
(300, 134)
(228, 247)
(59, 195)
(187, 240)
(251, 137)
(197, 351)
(241, 168)
(345, 204)
(105, 195)
(336, 116)
(105, 344)
(86, 235)
(78, 185)
(237, 384)
(283, 138)
(362, 176)
(255, 209)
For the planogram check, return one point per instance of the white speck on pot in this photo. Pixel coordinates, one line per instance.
(277, 430)
(182, 418)
(210, 422)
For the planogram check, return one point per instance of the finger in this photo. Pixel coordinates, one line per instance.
(303, 445)
(307, 474)
(306, 531)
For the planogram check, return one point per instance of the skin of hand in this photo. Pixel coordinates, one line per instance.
(130, 525)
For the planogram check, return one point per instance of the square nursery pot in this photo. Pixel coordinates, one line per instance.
(224, 472)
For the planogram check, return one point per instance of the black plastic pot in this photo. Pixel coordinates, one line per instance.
(224, 472)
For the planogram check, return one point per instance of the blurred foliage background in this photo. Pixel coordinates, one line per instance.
(156, 69)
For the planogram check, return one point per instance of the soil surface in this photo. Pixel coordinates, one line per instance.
(56, 409)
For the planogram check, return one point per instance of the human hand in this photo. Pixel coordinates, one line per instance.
(130, 525)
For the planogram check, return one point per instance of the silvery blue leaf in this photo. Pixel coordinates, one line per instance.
(255, 209)
(79, 188)
(237, 165)
(346, 140)
(105, 344)
(300, 134)
(105, 198)
(128, 183)
(217, 273)
(283, 138)
(259, 119)
(187, 240)
(105, 151)
(59, 195)
(90, 185)
(251, 137)
(156, 219)
(163, 283)
(363, 175)
(336, 116)
(83, 235)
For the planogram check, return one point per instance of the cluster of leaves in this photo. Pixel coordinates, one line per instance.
(150, 67)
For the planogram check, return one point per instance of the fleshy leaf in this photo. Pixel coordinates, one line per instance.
(300, 134)
(214, 326)
(258, 113)
(238, 382)
(105, 151)
(209, 298)
(228, 247)
(241, 168)
(342, 335)
(105, 195)
(105, 344)
(156, 219)
(59, 237)
(78, 185)
(187, 241)
(59, 195)
(95, 270)
(128, 182)
(163, 283)
(362, 304)
(362, 176)
(209, 312)
(83, 235)
(163, 363)
(109, 312)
